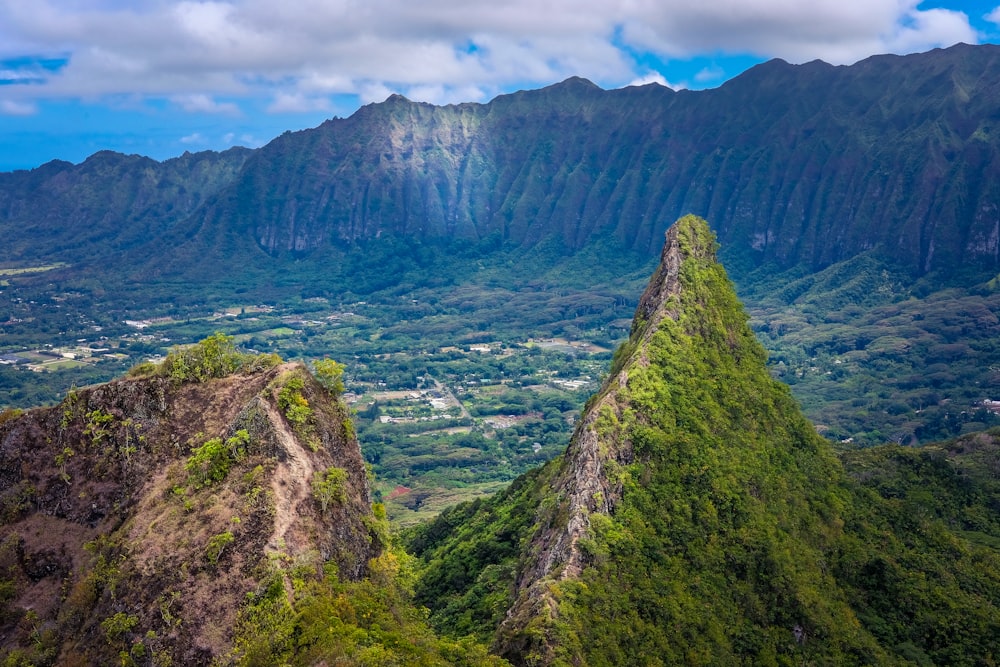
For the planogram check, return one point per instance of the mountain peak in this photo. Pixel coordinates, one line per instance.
(577, 82)
(689, 237)
(688, 313)
(584, 483)
(688, 445)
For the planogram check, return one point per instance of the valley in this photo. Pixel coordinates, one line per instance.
(450, 419)
(779, 449)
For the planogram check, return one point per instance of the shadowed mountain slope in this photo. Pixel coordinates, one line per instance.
(803, 165)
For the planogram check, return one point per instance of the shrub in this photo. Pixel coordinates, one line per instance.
(142, 369)
(213, 357)
(116, 626)
(9, 413)
(293, 404)
(211, 462)
(328, 487)
(216, 545)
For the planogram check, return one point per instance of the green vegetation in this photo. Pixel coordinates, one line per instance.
(471, 553)
(293, 404)
(330, 374)
(116, 626)
(212, 357)
(328, 487)
(210, 462)
(328, 620)
(216, 545)
(737, 535)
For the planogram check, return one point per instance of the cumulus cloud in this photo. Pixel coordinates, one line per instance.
(194, 138)
(838, 31)
(195, 52)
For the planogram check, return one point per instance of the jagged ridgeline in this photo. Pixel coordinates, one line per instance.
(213, 509)
(697, 518)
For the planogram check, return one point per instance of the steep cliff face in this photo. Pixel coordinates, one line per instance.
(586, 482)
(138, 516)
(697, 518)
(796, 165)
(108, 204)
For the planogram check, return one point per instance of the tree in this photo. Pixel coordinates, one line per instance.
(330, 374)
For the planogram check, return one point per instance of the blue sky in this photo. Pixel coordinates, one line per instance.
(160, 77)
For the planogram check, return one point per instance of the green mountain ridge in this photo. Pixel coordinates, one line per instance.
(697, 518)
(795, 165)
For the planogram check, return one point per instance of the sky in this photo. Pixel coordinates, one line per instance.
(161, 77)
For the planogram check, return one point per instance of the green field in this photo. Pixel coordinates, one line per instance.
(30, 269)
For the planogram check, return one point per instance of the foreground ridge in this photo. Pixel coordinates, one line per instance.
(210, 510)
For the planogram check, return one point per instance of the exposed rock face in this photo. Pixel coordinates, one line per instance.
(584, 484)
(105, 510)
(803, 165)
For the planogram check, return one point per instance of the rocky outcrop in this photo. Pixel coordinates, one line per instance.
(162, 506)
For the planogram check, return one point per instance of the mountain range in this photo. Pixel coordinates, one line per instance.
(795, 165)
(857, 208)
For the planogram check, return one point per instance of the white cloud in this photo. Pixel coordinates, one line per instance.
(374, 92)
(655, 77)
(195, 138)
(712, 73)
(15, 108)
(201, 103)
(297, 103)
(195, 52)
(438, 94)
(838, 31)
(993, 16)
